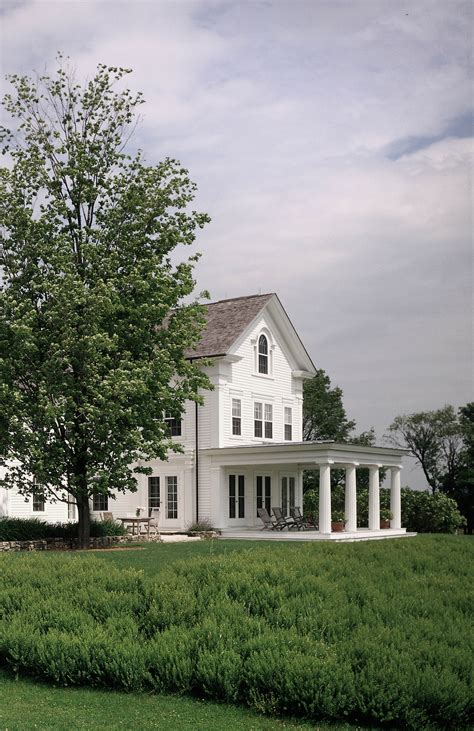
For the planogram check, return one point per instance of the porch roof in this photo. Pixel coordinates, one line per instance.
(306, 454)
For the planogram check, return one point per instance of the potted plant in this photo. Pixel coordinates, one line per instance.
(338, 521)
(385, 517)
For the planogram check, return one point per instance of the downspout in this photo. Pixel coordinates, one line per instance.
(196, 461)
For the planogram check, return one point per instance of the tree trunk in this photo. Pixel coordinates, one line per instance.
(84, 527)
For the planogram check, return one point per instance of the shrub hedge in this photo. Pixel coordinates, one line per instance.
(368, 633)
(34, 529)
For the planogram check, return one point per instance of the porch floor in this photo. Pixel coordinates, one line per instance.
(361, 534)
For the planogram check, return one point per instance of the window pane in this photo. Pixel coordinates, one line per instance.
(288, 432)
(268, 412)
(100, 502)
(236, 427)
(172, 497)
(173, 424)
(263, 363)
(268, 430)
(288, 415)
(38, 502)
(263, 345)
(258, 410)
(258, 429)
(236, 407)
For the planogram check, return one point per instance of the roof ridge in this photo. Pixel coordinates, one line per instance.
(245, 297)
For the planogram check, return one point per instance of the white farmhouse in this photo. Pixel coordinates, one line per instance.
(243, 448)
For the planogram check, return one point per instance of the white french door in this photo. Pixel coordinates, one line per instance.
(236, 499)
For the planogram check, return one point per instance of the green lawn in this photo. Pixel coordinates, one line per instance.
(25, 705)
(427, 579)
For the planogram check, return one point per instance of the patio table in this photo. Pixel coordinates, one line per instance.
(135, 522)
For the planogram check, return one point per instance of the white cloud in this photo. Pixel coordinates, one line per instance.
(284, 112)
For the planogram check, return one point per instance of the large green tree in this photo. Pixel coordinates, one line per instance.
(93, 327)
(324, 415)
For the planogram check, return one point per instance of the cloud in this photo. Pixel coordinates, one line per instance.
(331, 145)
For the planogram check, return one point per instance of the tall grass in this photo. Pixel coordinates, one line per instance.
(372, 633)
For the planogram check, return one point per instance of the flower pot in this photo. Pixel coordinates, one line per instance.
(385, 524)
(337, 526)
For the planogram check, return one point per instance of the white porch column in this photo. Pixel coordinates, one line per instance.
(374, 498)
(325, 498)
(351, 498)
(395, 498)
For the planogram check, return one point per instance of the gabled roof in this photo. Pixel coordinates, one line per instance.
(229, 320)
(226, 321)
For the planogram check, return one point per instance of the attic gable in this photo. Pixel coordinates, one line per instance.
(229, 322)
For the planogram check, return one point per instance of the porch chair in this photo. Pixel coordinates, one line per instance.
(302, 522)
(107, 516)
(268, 522)
(282, 520)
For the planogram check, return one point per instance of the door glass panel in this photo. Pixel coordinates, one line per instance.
(268, 493)
(284, 495)
(291, 481)
(264, 492)
(241, 500)
(231, 496)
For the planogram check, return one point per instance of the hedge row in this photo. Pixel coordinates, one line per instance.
(33, 529)
(374, 633)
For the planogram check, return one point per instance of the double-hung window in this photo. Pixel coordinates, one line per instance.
(236, 417)
(263, 420)
(173, 424)
(288, 424)
(38, 501)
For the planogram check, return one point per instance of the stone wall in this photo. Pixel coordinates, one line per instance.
(60, 544)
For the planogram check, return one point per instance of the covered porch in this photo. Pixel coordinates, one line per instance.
(269, 475)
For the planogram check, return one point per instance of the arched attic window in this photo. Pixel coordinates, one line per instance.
(263, 354)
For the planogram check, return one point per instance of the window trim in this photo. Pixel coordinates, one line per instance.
(173, 424)
(38, 499)
(266, 425)
(96, 500)
(288, 423)
(236, 420)
(255, 341)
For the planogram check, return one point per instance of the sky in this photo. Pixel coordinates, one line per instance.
(331, 143)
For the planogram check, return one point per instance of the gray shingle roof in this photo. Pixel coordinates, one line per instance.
(226, 320)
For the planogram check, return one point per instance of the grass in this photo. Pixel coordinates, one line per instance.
(26, 705)
(431, 574)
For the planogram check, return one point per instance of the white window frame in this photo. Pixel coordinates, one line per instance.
(236, 416)
(264, 410)
(288, 422)
(256, 352)
(172, 423)
(100, 497)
